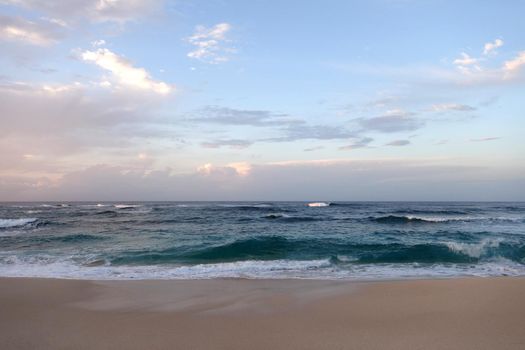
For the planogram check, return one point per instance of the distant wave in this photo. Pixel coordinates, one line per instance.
(292, 219)
(110, 213)
(318, 204)
(432, 212)
(395, 219)
(126, 206)
(9, 223)
(263, 207)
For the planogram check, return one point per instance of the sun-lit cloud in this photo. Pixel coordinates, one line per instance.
(491, 47)
(94, 10)
(465, 60)
(373, 179)
(443, 107)
(513, 66)
(39, 33)
(210, 43)
(124, 72)
(237, 169)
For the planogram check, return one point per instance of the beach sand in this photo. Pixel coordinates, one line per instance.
(473, 313)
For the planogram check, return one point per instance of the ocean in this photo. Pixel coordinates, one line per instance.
(262, 240)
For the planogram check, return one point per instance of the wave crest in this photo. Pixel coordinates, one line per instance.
(9, 223)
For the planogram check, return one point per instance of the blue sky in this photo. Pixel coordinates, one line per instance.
(262, 100)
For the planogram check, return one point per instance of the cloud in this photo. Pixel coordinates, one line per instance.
(72, 125)
(451, 107)
(232, 143)
(95, 10)
(398, 143)
(465, 60)
(362, 143)
(16, 29)
(484, 139)
(300, 131)
(231, 116)
(392, 121)
(345, 179)
(512, 67)
(124, 72)
(209, 43)
(311, 149)
(491, 47)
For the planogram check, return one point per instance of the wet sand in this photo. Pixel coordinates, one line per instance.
(473, 313)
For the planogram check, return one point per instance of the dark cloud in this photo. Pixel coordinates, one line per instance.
(362, 143)
(231, 116)
(398, 143)
(392, 122)
(232, 143)
(314, 132)
(311, 149)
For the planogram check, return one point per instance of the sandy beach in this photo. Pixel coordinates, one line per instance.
(474, 313)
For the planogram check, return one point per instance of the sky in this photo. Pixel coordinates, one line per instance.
(262, 100)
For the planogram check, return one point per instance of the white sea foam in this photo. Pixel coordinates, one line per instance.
(126, 206)
(48, 266)
(474, 250)
(8, 223)
(318, 204)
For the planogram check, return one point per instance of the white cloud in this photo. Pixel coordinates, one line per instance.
(95, 10)
(467, 64)
(491, 47)
(209, 43)
(465, 60)
(96, 43)
(484, 139)
(451, 107)
(35, 33)
(512, 67)
(124, 72)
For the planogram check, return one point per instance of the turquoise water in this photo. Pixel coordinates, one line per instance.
(341, 240)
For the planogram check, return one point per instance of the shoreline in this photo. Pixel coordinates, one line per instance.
(466, 313)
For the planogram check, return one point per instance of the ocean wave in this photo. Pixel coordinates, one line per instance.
(110, 213)
(430, 212)
(318, 269)
(408, 219)
(475, 250)
(394, 219)
(277, 247)
(318, 204)
(127, 206)
(9, 223)
(285, 218)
